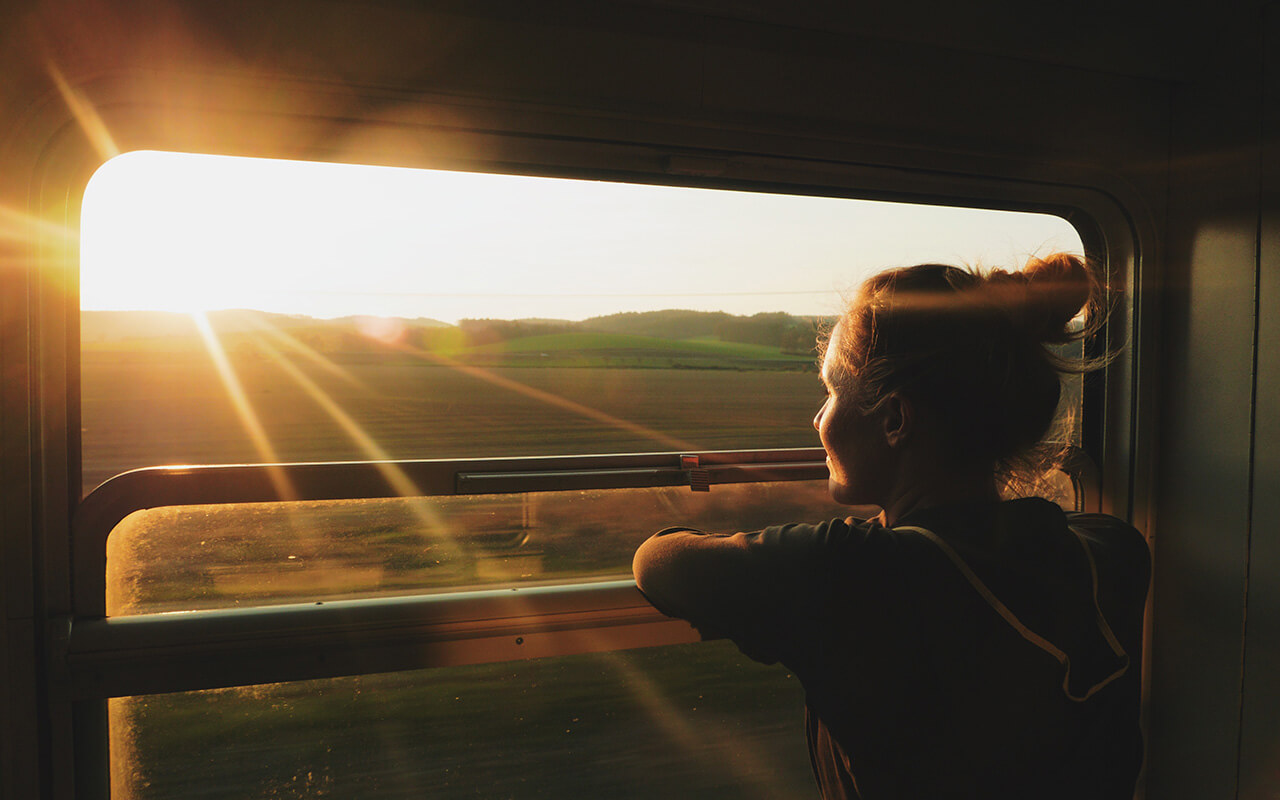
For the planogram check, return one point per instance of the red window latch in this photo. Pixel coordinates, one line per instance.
(699, 478)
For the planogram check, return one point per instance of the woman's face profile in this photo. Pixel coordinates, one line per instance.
(855, 450)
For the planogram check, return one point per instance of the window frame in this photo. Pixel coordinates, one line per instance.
(216, 648)
(1113, 430)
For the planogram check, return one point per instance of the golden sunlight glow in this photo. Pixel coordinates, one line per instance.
(396, 477)
(735, 757)
(292, 344)
(17, 226)
(406, 253)
(181, 232)
(84, 112)
(244, 409)
(550, 399)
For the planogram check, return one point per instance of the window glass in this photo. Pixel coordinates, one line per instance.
(175, 559)
(246, 310)
(687, 721)
(253, 554)
(250, 311)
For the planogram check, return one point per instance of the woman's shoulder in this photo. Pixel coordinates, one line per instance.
(1118, 549)
(1102, 525)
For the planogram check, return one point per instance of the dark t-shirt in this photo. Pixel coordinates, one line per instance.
(982, 651)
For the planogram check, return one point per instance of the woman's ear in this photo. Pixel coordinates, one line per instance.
(897, 420)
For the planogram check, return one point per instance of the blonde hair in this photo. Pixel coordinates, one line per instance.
(973, 348)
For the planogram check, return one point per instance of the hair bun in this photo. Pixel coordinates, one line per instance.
(1058, 287)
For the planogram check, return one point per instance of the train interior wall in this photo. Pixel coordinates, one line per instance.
(1168, 118)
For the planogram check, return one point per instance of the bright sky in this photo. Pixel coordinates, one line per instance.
(178, 232)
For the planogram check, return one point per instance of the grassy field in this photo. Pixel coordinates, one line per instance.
(148, 408)
(659, 352)
(143, 409)
(694, 721)
(698, 721)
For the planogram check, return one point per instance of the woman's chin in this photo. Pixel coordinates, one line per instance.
(841, 494)
(859, 506)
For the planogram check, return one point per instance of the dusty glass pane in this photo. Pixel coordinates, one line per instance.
(691, 721)
(183, 558)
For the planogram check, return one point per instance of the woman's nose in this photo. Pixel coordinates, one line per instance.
(817, 418)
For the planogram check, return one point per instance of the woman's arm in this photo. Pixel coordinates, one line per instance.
(762, 590)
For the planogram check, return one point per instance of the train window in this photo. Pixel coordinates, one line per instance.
(182, 558)
(221, 556)
(515, 358)
(242, 310)
(247, 310)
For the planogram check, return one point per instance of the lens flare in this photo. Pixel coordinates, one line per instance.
(293, 344)
(554, 400)
(84, 112)
(732, 757)
(396, 477)
(248, 417)
(18, 226)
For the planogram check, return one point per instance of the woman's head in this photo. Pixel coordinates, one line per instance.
(966, 350)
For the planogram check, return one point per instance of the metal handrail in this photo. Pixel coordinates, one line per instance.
(155, 653)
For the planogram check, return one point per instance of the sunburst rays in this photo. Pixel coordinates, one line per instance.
(19, 226)
(293, 344)
(244, 409)
(547, 398)
(725, 752)
(86, 115)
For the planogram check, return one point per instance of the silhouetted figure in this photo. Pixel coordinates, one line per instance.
(957, 645)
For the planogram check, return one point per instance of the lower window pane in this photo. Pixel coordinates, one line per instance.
(193, 557)
(686, 721)
(173, 559)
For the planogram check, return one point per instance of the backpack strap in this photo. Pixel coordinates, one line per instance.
(1026, 633)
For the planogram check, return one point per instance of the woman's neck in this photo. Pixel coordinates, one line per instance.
(936, 484)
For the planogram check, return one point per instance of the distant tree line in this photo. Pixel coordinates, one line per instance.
(239, 329)
(670, 324)
(488, 331)
(772, 329)
(777, 329)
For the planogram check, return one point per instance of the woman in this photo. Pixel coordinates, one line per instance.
(956, 645)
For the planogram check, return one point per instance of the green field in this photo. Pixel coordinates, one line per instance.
(644, 351)
(696, 721)
(151, 407)
(693, 721)
(144, 409)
